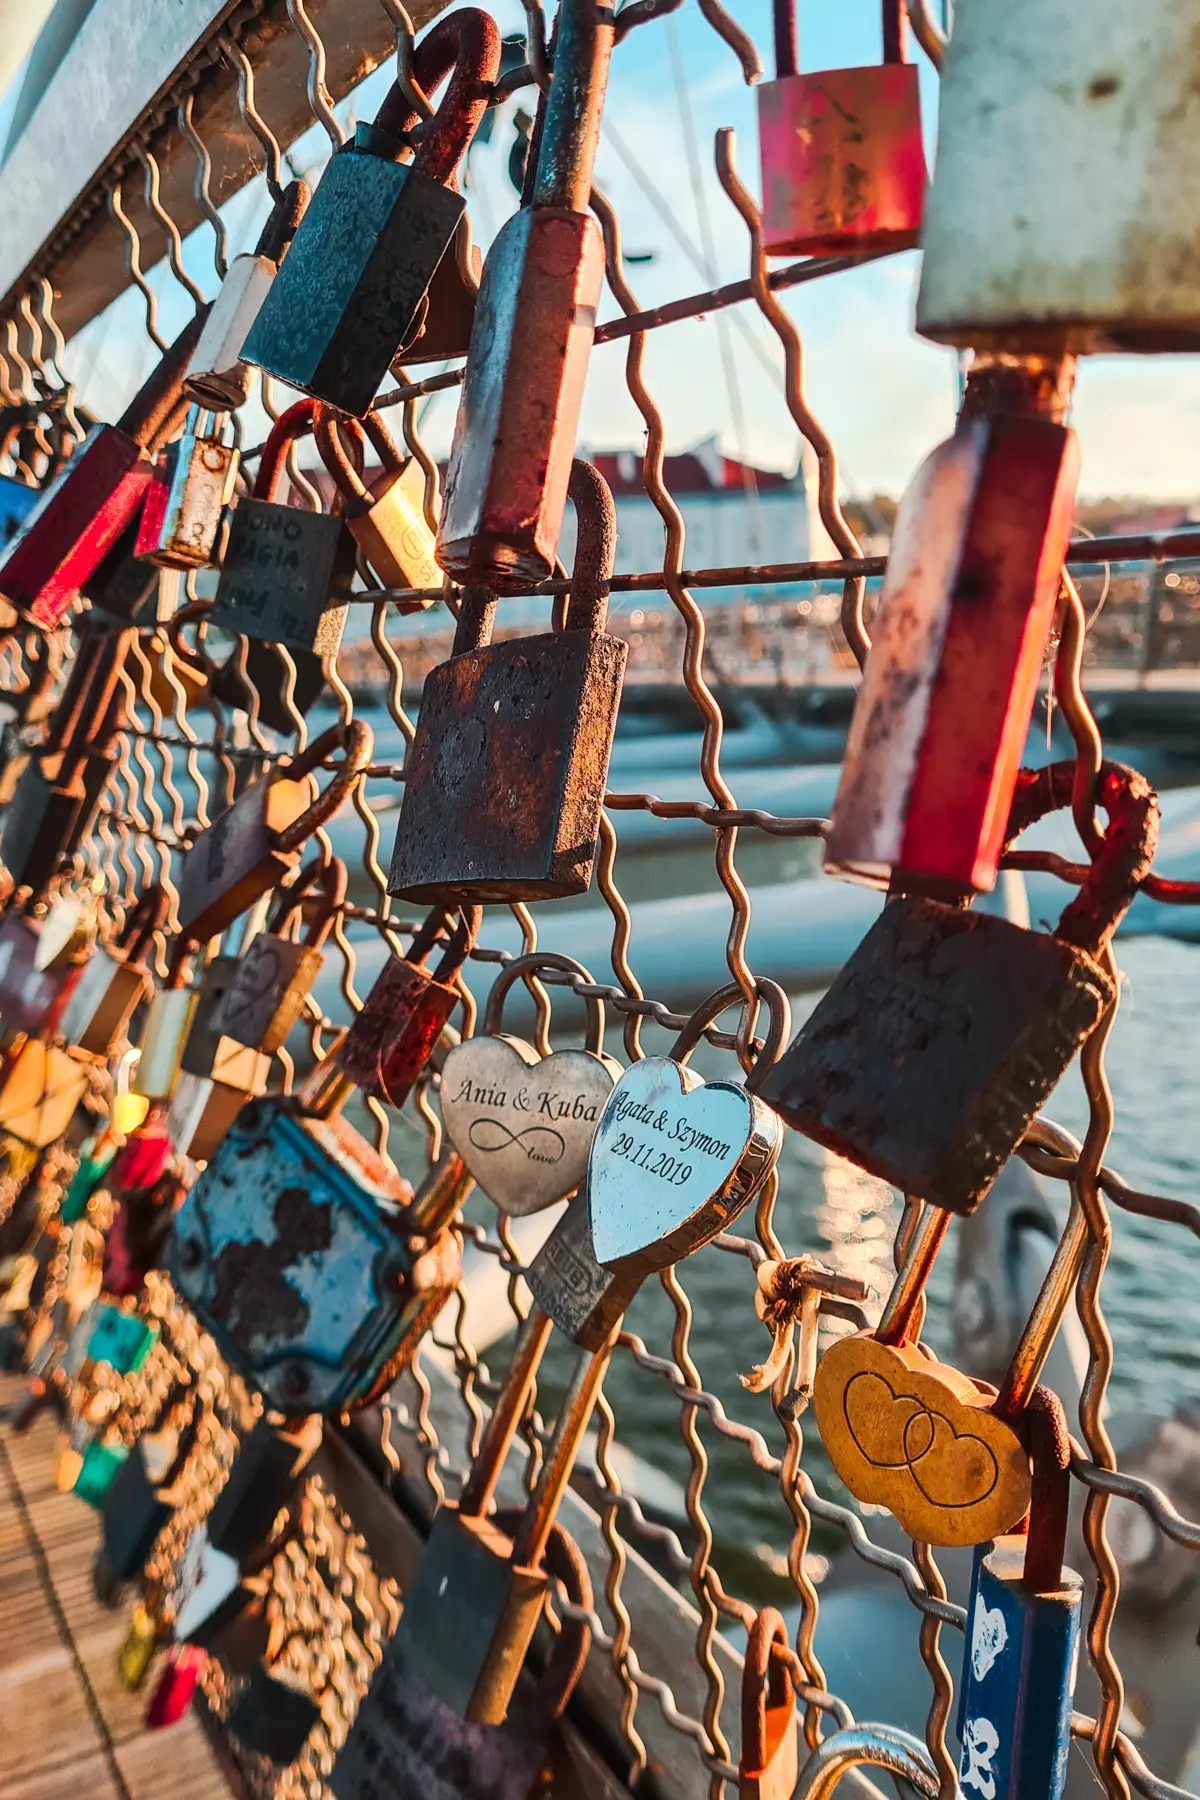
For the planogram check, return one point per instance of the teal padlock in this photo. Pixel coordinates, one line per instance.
(121, 1340)
(101, 1465)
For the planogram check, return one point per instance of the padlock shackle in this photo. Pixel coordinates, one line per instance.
(290, 425)
(787, 44)
(895, 31)
(519, 968)
(460, 945)
(193, 613)
(778, 1007)
(331, 878)
(426, 936)
(571, 129)
(356, 740)
(574, 1417)
(147, 916)
(466, 46)
(766, 1680)
(565, 1563)
(1048, 1441)
(506, 1415)
(328, 429)
(284, 221)
(901, 1310)
(178, 969)
(476, 618)
(1126, 849)
(1058, 1284)
(595, 548)
(869, 1747)
(159, 404)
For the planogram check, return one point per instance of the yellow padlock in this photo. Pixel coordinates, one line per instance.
(135, 1654)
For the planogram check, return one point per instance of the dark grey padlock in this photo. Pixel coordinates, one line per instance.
(505, 780)
(272, 1718)
(941, 1037)
(287, 573)
(124, 589)
(352, 286)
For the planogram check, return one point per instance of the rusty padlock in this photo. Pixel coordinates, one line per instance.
(514, 437)
(92, 500)
(946, 1030)
(387, 518)
(505, 779)
(190, 486)
(840, 150)
(770, 1760)
(274, 976)
(255, 842)
(390, 1041)
(217, 377)
(109, 987)
(287, 572)
(351, 289)
(968, 599)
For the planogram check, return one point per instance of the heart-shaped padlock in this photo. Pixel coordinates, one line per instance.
(522, 1122)
(675, 1159)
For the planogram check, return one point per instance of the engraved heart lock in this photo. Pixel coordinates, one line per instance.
(675, 1159)
(523, 1122)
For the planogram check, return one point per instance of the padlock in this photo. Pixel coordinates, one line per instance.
(403, 1727)
(840, 150)
(143, 1157)
(137, 1652)
(175, 1686)
(202, 1111)
(29, 997)
(95, 1159)
(505, 780)
(287, 573)
(1022, 1642)
(107, 990)
(514, 437)
(168, 1021)
(272, 1717)
(140, 1501)
(387, 518)
(191, 484)
(1057, 217)
(255, 842)
(126, 591)
(523, 1123)
(262, 1482)
(217, 377)
(275, 975)
(770, 1760)
(209, 1053)
(118, 1338)
(294, 1209)
(968, 599)
(87, 506)
(278, 684)
(391, 1040)
(351, 288)
(40, 1088)
(946, 1030)
(135, 1241)
(99, 1467)
(17, 501)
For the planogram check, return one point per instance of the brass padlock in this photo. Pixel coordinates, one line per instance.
(40, 1088)
(387, 518)
(209, 1053)
(505, 778)
(217, 376)
(946, 1030)
(770, 1760)
(167, 1024)
(190, 487)
(391, 1040)
(287, 573)
(274, 976)
(104, 995)
(256, 841)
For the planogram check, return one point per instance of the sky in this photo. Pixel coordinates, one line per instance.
(885, 395)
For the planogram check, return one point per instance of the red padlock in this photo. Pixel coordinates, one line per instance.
(175, 1686)
(135, 1241)
(392, 1038)
(143, 1157)
(843, 164)
(94, 498)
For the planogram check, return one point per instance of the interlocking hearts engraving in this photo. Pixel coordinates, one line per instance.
(521, 1122)
(916, 1436)
(674, 1161)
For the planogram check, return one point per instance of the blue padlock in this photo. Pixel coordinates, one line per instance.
(1022, 1651)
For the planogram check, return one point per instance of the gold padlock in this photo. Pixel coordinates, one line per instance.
(136, 1653)
(387, 519)
(39, 1090)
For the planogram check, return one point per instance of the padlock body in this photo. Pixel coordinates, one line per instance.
(261, 1483)
(391, 1040)
(271, 981)
(583, 1298)
(168, 1022)
(142, 1159)
(348, 290)
(446, 328)
(286, 577)
(217, 377)
(131, 1518)
(98, 1470)
(507, 774)
(188, 492)
(290, 1248)
(137, 1652)
(1019, 1666)
(209, 1053)
(126, 591)
(77, 520)
(936, 1045)
(272, 1718)
(29, 996)
(174, 1689)
(268, 679)
(37, 827)
(202, 1110)
(842, 161)
(1061, 208)
(469, 1616)
(40, 1087)
(514, 438)
(235, 860)
(942, 715)
(392, 534)
(17, 501)
(101, 1002)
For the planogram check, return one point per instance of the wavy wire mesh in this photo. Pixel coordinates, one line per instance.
(178, 757)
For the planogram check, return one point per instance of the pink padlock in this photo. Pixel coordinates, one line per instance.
(840, 150)
(175, 1686)
(143, 1157)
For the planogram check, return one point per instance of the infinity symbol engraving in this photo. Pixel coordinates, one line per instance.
(547, 1146)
